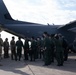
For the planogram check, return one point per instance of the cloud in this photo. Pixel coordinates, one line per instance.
(43, 11)
(66, 4)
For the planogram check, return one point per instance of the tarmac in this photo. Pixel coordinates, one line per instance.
(12, 67)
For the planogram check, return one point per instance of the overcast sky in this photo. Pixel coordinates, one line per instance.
(42, 11)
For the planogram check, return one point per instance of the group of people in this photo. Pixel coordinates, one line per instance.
(55, 46)
(6, 46)
(46, 47)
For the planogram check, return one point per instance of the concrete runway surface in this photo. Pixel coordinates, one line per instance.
(12, 67)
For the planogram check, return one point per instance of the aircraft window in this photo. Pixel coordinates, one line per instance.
(7, 16)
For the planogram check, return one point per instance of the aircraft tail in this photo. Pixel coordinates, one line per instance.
(4, 14)
(5, 17)
(6, 20)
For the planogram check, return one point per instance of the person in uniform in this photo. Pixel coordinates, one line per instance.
(13, 49)
(65, 47)
(42, 47)
(19, 45)
(6, 48)
(47, 60)
(1, 44)
(59, 51)
(33, 49)
(38, 53)
(74, 46)
(52, 47)
(26, 49)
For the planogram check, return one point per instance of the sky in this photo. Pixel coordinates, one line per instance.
(58, 12)
(42, 11)
(7, 35)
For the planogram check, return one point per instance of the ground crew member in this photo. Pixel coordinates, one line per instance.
(1, 44)
(42, 47)
(6, 48)
(26, 49)
(59, 51)
(38, 48)
(65, 47)
(33, 49)
(47, 49)
(52, 47)
(74, 44)
(13, 49)
(19, 45)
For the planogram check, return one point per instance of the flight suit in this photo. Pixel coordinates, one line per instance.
(52, 49)
(59, 52)
(42, 48)
(65, 46)
(13, 50)
(19, 45)
(33, 50)
(47, 51)
(26, 49)
(39, 48)
(1, 44)
(6, 49)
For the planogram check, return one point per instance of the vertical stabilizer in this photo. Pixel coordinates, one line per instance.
(4, 14)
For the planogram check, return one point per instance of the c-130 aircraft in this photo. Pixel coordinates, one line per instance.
(28, 29)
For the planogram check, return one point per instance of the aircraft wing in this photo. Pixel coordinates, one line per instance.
(18, 28)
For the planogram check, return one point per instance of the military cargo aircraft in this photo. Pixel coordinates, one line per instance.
(29, 29)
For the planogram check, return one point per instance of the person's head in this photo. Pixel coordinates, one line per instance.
(6, 39)
(56, 36)
(32, 38)
(13, 38)
(38, 38)
(45, 34)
